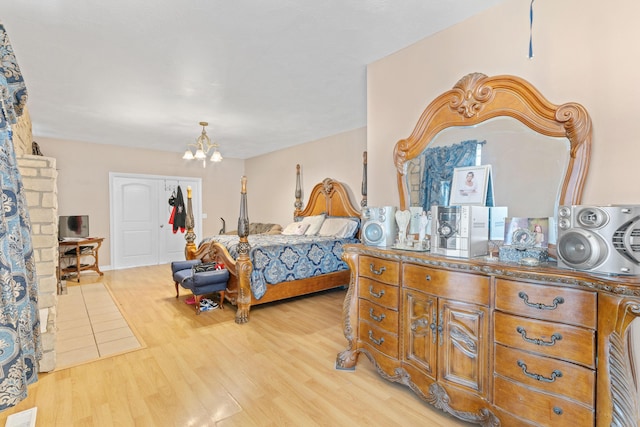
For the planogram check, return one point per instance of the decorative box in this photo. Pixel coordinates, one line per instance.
(510, 253)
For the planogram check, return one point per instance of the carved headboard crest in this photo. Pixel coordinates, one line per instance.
(327, 185)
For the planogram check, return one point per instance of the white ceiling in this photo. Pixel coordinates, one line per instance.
(265, 74)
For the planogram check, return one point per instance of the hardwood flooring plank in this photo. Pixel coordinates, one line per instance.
(206, 370)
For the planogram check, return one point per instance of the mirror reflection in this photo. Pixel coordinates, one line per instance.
(528, 168)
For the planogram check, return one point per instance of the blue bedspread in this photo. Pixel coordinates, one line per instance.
(281, 258)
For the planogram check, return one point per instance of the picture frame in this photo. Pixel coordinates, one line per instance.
(470, 185)
(537, 228)
(414, 225)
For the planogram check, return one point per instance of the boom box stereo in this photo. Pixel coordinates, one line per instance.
(379, 226)
(460, 231)
(600, 239)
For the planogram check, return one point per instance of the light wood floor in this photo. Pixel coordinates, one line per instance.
(276, 370)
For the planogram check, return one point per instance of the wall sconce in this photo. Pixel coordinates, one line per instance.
(203, 146)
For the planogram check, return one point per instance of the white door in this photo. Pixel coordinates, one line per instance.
(140, 211)
(171, 245)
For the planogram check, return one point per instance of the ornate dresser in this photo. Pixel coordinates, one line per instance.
(494, 343)
(490, 342)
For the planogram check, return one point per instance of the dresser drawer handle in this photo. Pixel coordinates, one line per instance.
(537, 341)
(375, 341)
(376, 318)
(428, 277)
(555, 374)
(434, 327)
(374, 294)
(557, 411)
(540, 306)
(377, 272)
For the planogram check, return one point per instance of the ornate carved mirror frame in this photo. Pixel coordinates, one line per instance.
(477, 98)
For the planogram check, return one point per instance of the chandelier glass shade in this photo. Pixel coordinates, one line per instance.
(203, 146)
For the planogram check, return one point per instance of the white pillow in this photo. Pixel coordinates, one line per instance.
(315, 222)
(295, 229)
(338, 227)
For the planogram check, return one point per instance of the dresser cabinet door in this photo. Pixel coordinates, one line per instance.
(421, 331)
(464, 345)
(448, 340)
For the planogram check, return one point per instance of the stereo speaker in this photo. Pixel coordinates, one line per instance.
(379, 226)
(599, 239)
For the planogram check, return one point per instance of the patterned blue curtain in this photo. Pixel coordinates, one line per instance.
(20, 346)
(439, 163)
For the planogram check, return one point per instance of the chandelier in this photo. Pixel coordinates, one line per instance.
(203, 146)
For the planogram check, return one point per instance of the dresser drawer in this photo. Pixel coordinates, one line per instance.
(379, 339)
(573, 306)
(545, 409)
(550, 375)
(565, 342)
(379, 293)
(378, 315)
(465, 287)
(383, 270)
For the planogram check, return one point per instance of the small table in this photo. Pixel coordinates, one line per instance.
(71, 250)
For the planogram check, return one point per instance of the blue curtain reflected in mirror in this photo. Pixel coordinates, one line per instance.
(438, 165)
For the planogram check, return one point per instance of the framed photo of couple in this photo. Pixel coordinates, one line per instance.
(537, 229)
(472, 185)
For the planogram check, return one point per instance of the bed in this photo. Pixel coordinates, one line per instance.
(252, 259)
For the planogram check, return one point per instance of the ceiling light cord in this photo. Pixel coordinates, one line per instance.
(531, 30)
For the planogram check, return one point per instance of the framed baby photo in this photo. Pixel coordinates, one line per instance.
(469, 185)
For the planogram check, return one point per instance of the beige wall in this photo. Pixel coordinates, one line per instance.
(83, 182)
(83, 178)
(585, 51)
(271, 178)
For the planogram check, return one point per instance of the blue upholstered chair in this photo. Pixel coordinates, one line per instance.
(200, 278)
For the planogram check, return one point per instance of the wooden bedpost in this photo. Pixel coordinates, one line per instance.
(190, 236)
(363, 203)
(298, 203)
(243, 262)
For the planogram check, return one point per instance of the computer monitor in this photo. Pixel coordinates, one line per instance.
(73, 226)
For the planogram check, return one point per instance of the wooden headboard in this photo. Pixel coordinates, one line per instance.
(329, 197)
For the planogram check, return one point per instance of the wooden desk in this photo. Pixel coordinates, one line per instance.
(76, 250)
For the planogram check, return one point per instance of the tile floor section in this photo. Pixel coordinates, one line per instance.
(90, 326)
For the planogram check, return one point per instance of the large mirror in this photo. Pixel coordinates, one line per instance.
(527, 166)
(538, 151)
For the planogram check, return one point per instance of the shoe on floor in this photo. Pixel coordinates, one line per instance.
(207, 307)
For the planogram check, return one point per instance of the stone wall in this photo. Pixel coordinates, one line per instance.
(39, 177)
